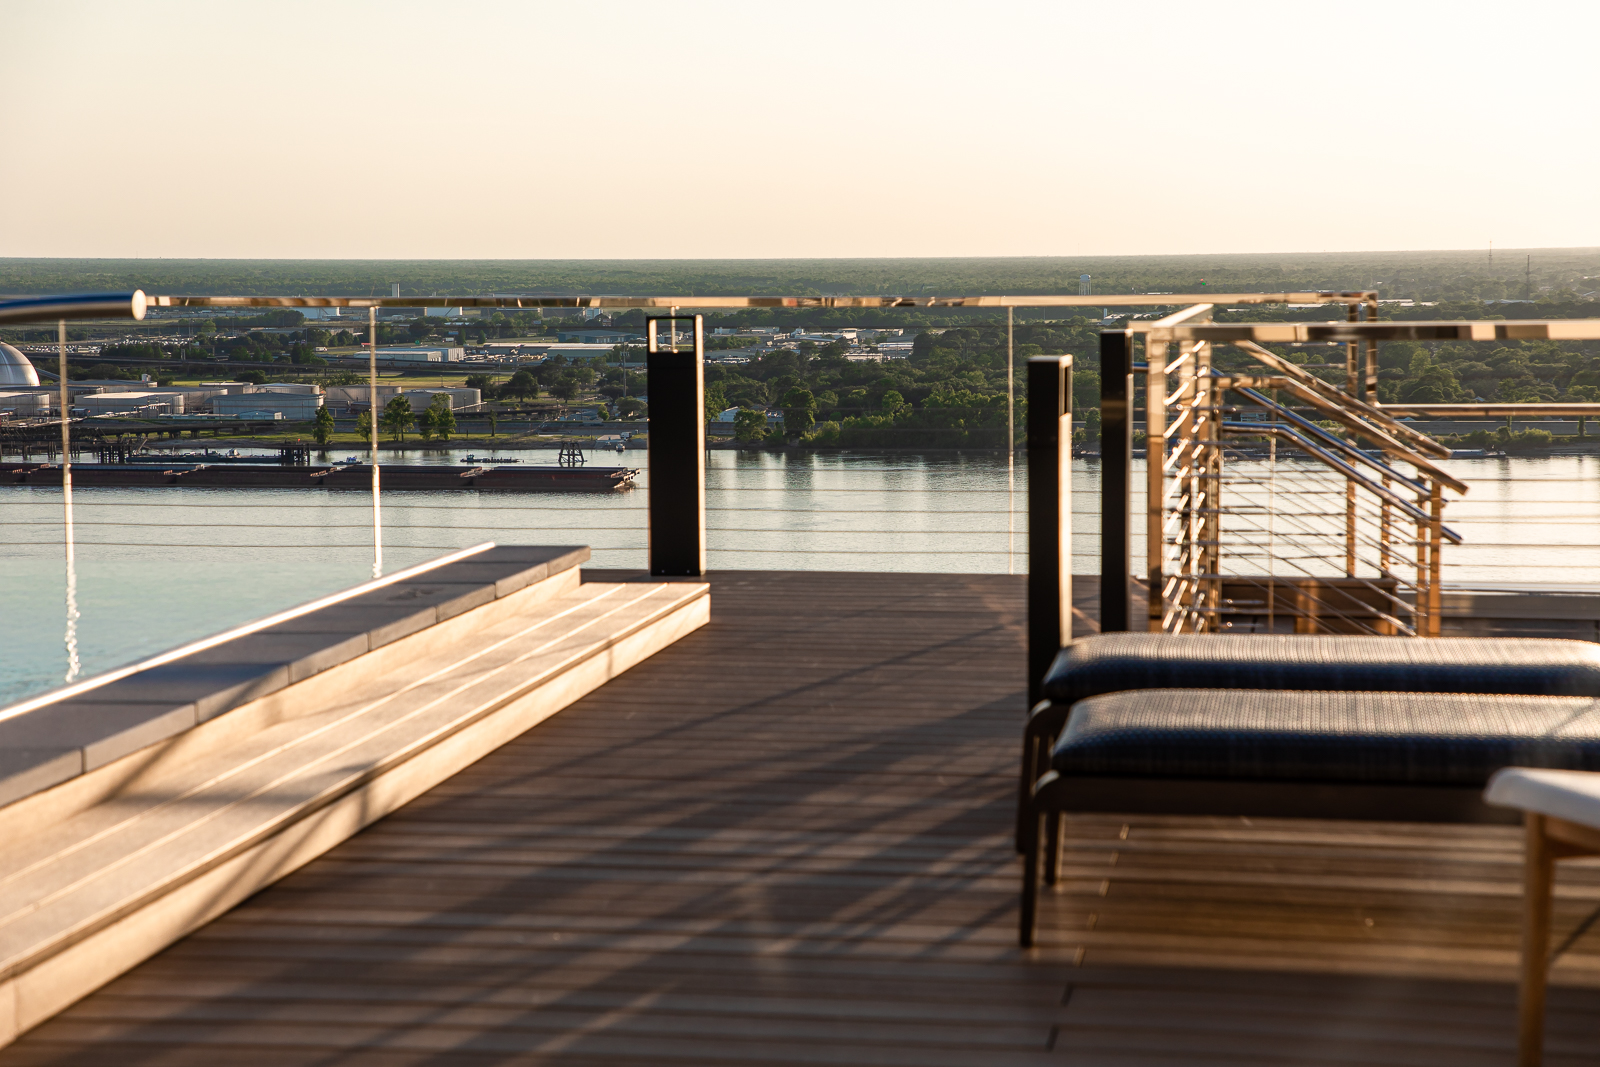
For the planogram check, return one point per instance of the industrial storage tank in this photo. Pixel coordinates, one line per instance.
(15, 368)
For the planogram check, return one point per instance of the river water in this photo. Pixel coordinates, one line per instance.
(156, 567)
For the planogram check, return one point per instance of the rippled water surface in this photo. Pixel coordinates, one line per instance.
(159, 566)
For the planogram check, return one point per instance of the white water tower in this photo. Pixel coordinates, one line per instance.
(1083, 285)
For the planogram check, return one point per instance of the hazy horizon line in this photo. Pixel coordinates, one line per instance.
(793, 259)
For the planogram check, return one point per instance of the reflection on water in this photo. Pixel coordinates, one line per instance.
(74, 664)
(159, 566)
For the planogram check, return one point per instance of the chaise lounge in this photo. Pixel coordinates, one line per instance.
(1120, 662)
(1325, 727)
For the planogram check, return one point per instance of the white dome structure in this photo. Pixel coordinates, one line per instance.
(15, 368)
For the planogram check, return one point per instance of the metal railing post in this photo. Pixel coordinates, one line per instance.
(1116, 477)
(1356, 387)
(677, 452)
(1210, 499)
(1422, 622)
(1049, 514)
(1435, 545)
(372, 442)
(1155, 425)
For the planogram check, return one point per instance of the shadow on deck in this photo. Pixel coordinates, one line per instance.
(785, 840)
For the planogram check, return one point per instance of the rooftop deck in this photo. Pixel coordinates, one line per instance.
(786, 840)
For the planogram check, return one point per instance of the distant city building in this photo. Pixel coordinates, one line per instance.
(600, 337)
(511, 349)
(457, 399)
(423, 354)
(24, 404)
(132, 402)
(578, 350)
(297, 407)
(358, 397)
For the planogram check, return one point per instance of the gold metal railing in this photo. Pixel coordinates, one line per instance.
(1278, 501)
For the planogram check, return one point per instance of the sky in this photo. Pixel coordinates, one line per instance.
(532, 130)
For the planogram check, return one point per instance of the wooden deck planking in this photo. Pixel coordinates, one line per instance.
(785, 841)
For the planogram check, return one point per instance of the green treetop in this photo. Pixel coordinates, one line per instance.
(397, 417)
(444, 418)
(323, 431)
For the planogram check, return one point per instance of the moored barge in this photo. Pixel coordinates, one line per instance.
(336, 476)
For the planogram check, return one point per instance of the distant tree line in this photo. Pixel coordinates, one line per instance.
(1447, 275)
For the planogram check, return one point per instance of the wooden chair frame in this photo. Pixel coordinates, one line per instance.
(1548, 839)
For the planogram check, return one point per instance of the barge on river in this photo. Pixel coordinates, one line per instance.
(337, 476)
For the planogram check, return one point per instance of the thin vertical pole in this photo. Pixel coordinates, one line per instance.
(66, 427)
(1435, 545)
(1349, 529)
(372, 430)
(1422, 622)
(1385, 530)
(1369, 391)
(1011, 443)
(71, 636)
(1116, 475)
(1155, 428)
(1187, 582)
(1351, 350)
(1356, 388)
(1272, 527)
(1049, 515)
(1208, 431)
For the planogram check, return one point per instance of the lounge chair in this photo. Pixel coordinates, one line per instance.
(1411, 757)
(1119, 662)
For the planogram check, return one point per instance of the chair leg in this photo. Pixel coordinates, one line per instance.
(1537, 877)
(1028, 918)
(1030, 761)
(1054, 829)
(1044, 723)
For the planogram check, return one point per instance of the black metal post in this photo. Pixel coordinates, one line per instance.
(1116, 477)
(1049, 514)
(677, 429)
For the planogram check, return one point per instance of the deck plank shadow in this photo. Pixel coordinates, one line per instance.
(784, 841)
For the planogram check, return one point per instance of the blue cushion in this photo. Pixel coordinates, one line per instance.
(1395, 738)
(1111, 663)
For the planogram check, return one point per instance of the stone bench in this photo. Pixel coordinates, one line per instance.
(1410, 757)
(1119, 662)
(71, 737)
(140, 809)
